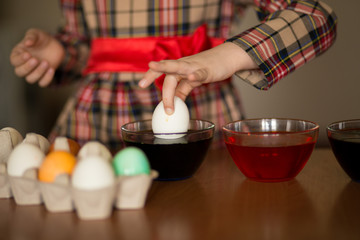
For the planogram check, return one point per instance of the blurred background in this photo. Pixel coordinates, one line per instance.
(323, 91)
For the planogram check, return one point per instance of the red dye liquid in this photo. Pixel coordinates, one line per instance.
(272, 164)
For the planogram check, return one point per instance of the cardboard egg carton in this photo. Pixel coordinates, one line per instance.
(9, 138)
(25, 189)
(57, 196)
(5, 190)
(132, 190)
(128, 192)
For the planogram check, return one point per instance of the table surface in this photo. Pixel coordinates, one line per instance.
(218, 202)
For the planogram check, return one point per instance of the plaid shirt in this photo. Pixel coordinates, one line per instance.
(290, 34)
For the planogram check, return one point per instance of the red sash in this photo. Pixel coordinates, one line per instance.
(134, 54)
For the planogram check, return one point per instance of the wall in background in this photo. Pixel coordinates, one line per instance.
(28, 108)
(323, 91)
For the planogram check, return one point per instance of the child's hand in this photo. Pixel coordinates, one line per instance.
(36, 57)
(184, 74)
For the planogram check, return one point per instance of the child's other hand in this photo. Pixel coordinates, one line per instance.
(184, 74)
(36, 57)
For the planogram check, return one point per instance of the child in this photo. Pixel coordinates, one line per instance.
(124, 36)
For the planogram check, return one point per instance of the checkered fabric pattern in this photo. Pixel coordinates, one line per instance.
(291, 33)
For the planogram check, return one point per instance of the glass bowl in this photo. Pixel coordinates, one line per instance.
(174, 159)
(344, 138)
(270, 149)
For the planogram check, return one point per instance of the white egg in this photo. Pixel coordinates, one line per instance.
(24, 156)
(92, 173)
(163, 125)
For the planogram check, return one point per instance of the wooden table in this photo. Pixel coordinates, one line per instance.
(217, 203)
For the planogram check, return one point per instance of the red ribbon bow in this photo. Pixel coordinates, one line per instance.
(134, 54)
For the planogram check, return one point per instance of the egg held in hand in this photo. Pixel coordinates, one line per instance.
(171, 126)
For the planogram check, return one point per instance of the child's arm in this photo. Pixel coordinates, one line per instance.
(291, 34)
(184, 74)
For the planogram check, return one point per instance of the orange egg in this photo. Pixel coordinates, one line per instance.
(55, 164)
(72, 145)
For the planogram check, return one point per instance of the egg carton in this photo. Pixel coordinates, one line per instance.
(5, 190)
(9, 138)
(128, 192)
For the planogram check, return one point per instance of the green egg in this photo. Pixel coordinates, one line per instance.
(131, 161)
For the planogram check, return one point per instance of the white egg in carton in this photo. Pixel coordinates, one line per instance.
(92, 189)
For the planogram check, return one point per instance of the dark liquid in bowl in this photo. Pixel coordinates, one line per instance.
(174, 161)
(347, 153)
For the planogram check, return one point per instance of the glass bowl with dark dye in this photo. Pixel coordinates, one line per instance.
(174, 159)
(344, 138)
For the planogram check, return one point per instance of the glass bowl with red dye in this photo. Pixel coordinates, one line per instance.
(344, 138)
(174, 159)
(270, 149)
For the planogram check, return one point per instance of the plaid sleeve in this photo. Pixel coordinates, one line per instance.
(291, 34)
(73, 36)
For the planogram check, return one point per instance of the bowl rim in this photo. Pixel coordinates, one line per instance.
(211, 127)
(328, 127)
(315, 128)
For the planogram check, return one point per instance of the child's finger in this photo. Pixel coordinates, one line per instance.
(200, 75)
(149, 77)
(19, 56)
(171, 66)
(38, 72)
(183, 89)
(168, 92)
(47, 78)
(30, 38)
(26, 68)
